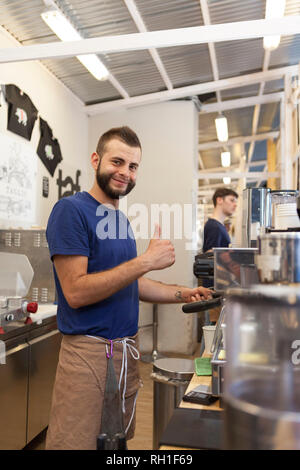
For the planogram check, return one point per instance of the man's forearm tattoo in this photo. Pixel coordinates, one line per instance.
(178, 295)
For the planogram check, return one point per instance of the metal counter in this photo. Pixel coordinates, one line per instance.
(26, 382)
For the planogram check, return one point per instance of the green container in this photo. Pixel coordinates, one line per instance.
(203, 366)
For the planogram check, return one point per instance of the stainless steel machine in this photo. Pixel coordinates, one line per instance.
(233, 267)
(256, 214)
(16, 275)
(29, 352)
(33, 244)
(276, 261)
(266, 211)
(256, 349)
(228, 268)
(262, 374)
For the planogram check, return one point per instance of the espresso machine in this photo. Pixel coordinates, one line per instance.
(276, 261)
(266, 211)
(233, 268)
(256, 214)
(225, 268)
(262, 373)
(256, 349)
(272, 256)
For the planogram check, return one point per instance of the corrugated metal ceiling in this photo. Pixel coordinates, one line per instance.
(170, 14)
(186, 65)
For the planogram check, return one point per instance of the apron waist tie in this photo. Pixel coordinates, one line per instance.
(127, 343)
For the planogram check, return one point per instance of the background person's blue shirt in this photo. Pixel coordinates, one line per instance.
(72, 230)
(215, 235)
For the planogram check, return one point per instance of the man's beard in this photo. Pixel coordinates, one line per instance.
(103, 180)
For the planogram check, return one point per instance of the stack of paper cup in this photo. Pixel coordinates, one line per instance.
(286, 216)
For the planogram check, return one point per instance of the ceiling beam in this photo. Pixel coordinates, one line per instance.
(177, 93)
(118, 86)
(260, 180)
(14, 41)
(237, 175)
(255, 163)
(132, 8)
(201, 165)
(216, 185)
(285, 26)
(256, 112)
(51, 4)
(219, 169)
(238, 140)
(211, 46)
(241, 103)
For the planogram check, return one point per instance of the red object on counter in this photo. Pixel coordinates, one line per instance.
(28, 321)
(1, 331)
(32, 307)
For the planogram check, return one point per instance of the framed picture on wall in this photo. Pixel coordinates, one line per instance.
(18, 170)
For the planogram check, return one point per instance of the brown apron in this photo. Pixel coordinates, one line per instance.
(78, 393)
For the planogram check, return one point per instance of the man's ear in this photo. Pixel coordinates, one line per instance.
(95, 159)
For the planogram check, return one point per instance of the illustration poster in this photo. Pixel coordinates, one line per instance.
(18, 171)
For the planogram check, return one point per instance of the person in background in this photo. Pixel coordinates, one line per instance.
(215, 232)
(99, 280)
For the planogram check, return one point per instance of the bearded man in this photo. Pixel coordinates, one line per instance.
(99, 281)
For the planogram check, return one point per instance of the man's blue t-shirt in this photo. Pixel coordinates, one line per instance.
(215, 235)
(80, 225)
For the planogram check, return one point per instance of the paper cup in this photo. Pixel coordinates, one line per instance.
(208, 333)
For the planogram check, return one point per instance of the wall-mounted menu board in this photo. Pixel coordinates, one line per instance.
(18, 171)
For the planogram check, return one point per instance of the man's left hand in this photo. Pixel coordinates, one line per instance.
(195, 295)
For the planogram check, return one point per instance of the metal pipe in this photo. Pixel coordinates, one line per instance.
(155, 354)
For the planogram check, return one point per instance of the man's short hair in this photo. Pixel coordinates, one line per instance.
(223, 192)
(124, 134)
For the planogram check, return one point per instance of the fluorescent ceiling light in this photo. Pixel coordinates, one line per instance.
(225, 158)
(226, 180)
(222, 128)
(60, 25)
(274, 9)
(65, 31)
(94, 66)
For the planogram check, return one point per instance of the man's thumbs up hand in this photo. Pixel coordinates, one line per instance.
(160, 254)
(157, 232)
